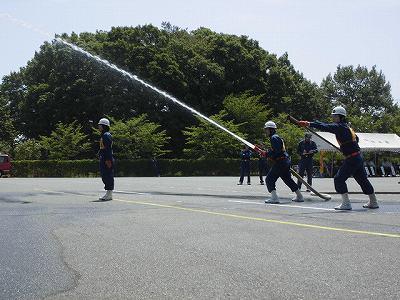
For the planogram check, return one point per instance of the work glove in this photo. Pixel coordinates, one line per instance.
(303, 123)
(108, 163)
(258, 149)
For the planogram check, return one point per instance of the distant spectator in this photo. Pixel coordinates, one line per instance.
(156, 169)
(245, 156)
(386, 168)
(372, 168)
(306, 149)
(263, 167)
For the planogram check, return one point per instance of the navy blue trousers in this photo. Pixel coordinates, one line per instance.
(107, 175)
(244, 170)
(280, 169)
(353, 166)
(305, 166)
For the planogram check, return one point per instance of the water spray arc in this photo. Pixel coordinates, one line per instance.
(166, 95)
(25, 24)
(173, 99)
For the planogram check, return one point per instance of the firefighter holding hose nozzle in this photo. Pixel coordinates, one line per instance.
(280, 165)
(353, 164)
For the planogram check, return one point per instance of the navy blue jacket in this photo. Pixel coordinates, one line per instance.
(346, 137)
(245, 154)
(278, 150)
(106, 152)
(307, 146)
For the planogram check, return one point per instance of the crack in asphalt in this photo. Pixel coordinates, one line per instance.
(76, 276)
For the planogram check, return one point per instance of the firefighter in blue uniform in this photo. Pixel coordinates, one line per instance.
(245, 156)
(306, 149)
(106, 162)
(353, 162)
(280, 165)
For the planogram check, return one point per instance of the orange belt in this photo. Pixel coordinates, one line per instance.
(353, 154)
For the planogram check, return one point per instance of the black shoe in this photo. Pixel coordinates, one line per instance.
(240, 183)
(262, 182)
(307, 190)
(248, 183)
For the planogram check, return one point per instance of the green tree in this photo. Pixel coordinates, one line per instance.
(28, 150)
(360, 90)
(207, 141)
(389, 122)
(394, 123)
(67, 141)
(6, 148)
(288, 91)
(199, 67)
(138, 138)
(247, 110)
(8, 132)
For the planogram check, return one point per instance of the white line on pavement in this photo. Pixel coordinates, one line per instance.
(282, 205)
(136, 193)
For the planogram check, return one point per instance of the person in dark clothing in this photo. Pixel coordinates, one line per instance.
(156, 169)
(306, 149)
(280, 165)
(262, 168)
(106, 160)
(353, 164)
(245, 156)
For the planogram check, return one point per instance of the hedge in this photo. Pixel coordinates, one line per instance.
(128, 168)
(54, 168)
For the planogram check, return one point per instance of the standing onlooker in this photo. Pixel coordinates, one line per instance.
(262, 166)
(106, 162)
(306, 149)
(245, 155)
(154, 164)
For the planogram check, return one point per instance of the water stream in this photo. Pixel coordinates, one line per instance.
(148, 85)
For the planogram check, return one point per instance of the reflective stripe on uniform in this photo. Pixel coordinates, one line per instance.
(353, 138)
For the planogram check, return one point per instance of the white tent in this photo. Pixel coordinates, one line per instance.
(372, 142)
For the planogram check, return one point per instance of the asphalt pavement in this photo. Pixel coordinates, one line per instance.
(194, 238)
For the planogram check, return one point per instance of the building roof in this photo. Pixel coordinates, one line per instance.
(372, 142)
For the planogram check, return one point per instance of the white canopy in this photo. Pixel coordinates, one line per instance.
(372, 142)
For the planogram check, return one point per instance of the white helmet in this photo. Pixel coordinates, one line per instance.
(270, 124)
(339, 110)
(104, 121)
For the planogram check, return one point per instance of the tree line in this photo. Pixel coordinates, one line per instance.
(50, 107)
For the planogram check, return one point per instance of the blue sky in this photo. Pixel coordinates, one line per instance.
(318, 35)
